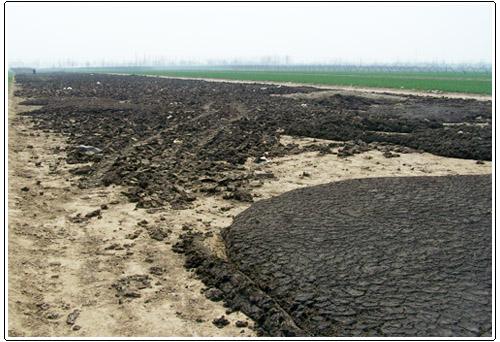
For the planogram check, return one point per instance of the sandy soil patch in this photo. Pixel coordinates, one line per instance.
(309, 168)
(63, 264)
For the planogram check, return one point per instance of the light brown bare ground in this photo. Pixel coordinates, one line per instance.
(57, 265)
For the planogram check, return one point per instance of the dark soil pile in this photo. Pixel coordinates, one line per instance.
(237, 290)
(167, 139)
(374, 257)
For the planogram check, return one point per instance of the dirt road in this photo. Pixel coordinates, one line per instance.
(85, 262)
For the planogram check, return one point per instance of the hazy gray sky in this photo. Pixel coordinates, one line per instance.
(380, 33)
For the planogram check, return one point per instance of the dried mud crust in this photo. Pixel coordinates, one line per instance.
(240, 293)
(168, 140)
(374, 257)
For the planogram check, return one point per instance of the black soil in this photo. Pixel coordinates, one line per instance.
(374, 257)
(169, 140)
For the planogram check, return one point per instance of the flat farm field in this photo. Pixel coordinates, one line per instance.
(451, 82)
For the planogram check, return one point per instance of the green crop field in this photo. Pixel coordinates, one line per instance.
(477, 83)
(459, 82)
(10, 77)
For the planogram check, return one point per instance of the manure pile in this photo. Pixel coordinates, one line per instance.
(373, 257)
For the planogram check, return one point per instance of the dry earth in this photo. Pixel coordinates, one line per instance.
(60, 261)
(58, 265)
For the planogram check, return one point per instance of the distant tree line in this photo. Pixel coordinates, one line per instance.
(266, 63)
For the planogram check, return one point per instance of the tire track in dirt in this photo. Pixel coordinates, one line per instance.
(63, 266)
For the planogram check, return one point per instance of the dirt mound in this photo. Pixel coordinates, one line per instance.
(168, 139)
(374, 257)
(238, 291)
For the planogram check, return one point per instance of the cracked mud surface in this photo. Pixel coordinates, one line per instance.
(374, 257)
